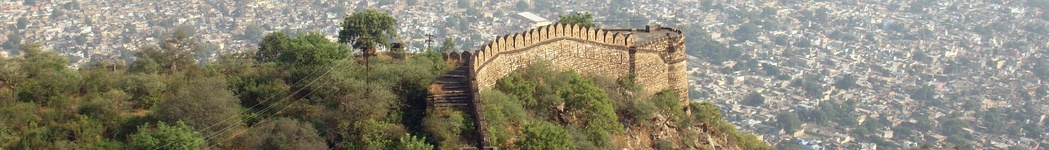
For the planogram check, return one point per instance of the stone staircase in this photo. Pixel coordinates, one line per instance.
(454, 90)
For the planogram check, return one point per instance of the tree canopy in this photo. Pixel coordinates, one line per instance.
(584, 19)
(368, 29)
(178, 136)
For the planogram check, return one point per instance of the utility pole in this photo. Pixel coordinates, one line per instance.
(429, 41)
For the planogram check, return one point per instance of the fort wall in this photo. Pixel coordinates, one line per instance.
(655, 54)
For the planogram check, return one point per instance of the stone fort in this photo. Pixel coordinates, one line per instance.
(654, 54)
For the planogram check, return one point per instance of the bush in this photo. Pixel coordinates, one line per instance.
(664, 145)
(545, 136)
(145, 89)
(501, 112)
(176, 136)
(448, 128)
(282, 133)
(202, 103)
(593, 107)
(411, 142)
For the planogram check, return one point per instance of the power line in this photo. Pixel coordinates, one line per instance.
(274, 114)
(268, 107)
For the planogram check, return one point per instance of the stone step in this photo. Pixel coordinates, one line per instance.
(450, 87)
(454, 76)
(450, 81)
(452, 105)
(451, 99)
(453, 92)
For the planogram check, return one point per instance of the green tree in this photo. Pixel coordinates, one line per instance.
(282, 133)
(55, 14)
(846, 82)
(173, 54)
(252, 33)
(923, 93)
(411, 142)
(447, 46)
(368, 29)
(788, 121)
(447, 128)
(271, 47)
(747, 31)
(311, 49)
(22, 23)
(768, 12)
(145, 89)
(49, 80)
(522, 5)
(203, 103)
(754, 99)
(593, 106)
(545, 136)
(813, 89)
(178, 136)
(581, 19)
(14, 40)
(463, 4)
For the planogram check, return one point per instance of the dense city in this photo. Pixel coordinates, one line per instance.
(801, 74)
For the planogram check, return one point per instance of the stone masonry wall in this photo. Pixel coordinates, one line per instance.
(657, 60)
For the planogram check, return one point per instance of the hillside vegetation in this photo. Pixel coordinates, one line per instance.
(304, 91)
(541, 108)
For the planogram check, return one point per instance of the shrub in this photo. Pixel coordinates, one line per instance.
(164, 136)
(545, 136)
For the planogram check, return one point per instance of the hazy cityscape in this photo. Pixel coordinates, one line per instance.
(800, 74)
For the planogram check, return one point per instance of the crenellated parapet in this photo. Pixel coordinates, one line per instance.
(655, 54)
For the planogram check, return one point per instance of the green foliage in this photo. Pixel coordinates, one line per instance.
(846, 82)
(203, 103)
(310, 49)
(447, 46)
(282, 133)
(172, 54)
(447, 128)
(145, 89)
(177, 136)
(540, 99)
(51, 80)
(813, 89)
(747, 32)
(788, 121)
(271, 46)
(368, 29)
(501, 111)
(517, 85)
(581, 19)
(370, 134)
(411, 142)
(22, 23)
(545, 136)
(588, 102)
(705, 113)
(923, 93)
(754, 99)
(522, 5)
(664, 145)
(463, 4)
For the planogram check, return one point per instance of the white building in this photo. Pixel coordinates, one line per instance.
(536, 20)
